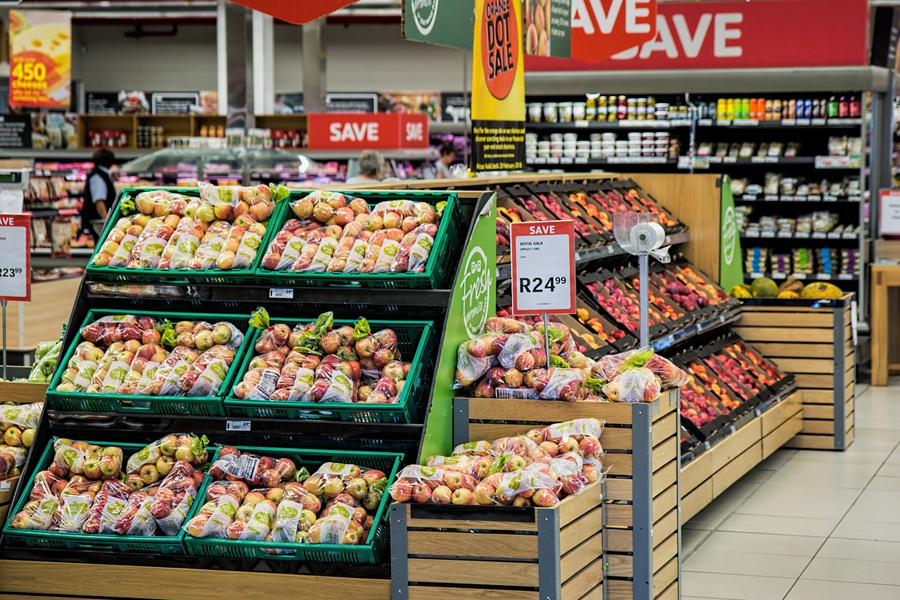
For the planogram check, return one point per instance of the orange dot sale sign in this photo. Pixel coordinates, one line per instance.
(40, 58)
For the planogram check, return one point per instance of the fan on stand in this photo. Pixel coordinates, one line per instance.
(641, 234)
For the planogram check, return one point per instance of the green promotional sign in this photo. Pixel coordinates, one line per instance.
(474, 301)
(440, 22)
(731, 268)
(548, 28)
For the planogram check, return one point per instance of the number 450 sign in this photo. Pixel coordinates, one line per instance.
(543, 267)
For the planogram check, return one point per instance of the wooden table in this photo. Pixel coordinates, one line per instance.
(884, 277)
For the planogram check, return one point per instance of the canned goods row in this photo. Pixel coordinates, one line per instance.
(772, 109)
(605, 109)
(604, 145)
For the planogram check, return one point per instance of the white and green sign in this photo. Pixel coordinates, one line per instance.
(440, 22)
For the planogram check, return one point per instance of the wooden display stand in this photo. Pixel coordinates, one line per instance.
(711, 473)
(641, 450)
(18, 393)
(816, 344)
(532, 553)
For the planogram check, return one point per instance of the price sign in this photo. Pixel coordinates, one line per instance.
(543, 267)
(15, 258)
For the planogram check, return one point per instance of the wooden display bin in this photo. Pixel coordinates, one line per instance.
(814, 340)
(531, 553)
(640, 442)
(715, 470)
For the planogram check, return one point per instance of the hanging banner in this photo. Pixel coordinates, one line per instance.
(439, 22)
(548, 27)
(360, 131)
(40, 59)
(731, 268)
(722, 35)
(498, 87)
(297, 12)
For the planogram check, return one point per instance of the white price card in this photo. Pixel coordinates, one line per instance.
(543, 267)
(889, 223)
(15, 258)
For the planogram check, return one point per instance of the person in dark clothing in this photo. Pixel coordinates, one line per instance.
(99, 191)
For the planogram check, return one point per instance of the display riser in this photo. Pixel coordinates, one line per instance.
(555, 552)
(708, 475)
(641, 451)
(19, 580)
(816, 344)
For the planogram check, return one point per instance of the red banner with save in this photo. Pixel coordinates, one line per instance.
(384, 131)
(543, 267)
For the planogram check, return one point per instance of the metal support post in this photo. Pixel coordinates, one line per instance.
(314, 66)
(642, 500)
(644, 265)
(4, 302)
(234, 31)
(263, 40)
(840, 385)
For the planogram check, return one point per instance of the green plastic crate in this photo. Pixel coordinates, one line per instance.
(171, 276)
(414, 341)
(162, 405)
(56, 540)
(374, 550)
(438, 272)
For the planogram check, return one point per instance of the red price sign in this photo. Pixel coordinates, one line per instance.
(15, 258)
(543, 267)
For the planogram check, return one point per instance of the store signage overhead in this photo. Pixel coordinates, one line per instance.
(543, 267)
(733, 35)
(40, 59)
(602, 28)
(498, 87)
(380, 131)
(440, 22)
(15, 258)
(297, 12)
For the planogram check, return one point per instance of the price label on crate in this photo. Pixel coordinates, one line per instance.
(543, 267)
(15, 258)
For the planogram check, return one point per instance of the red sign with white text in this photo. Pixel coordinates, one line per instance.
(602, 28)
(737, 35)
(543, 267)
(379, 131)
(297, 12)
(15, 258)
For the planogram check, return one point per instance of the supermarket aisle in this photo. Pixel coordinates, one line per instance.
(807, 525)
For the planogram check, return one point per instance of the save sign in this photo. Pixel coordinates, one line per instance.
(602, 28)
(543, 267)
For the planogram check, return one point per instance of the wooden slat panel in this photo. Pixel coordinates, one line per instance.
(619, 565)
(735, 444)
(620, 589)
(574, 506)
(472, 545)
(818, 411)
(20, 392)
(7, 489)
(773, 418)
(665, 477)
(805, 365)
(498, 409)
(815, 381)
(848, 438)
(619, 488)
(696, 472)
(663, 453)
(593, 594)
(811, 442)
(575, 560)
(780, 436)
(574, 533)
(619, 515)
(19, 577)
(737, 468)
(430, 592)
(665, 502)
(818, 427)
(666, 403)
(665, 577)
(787, 349)
(848, 406)
(665, 527)
(818, 396)
(618, 540)
(848, 424)
(587, 580)
(618, 464)
(696, 501)
(513, 574)
(787, 319)
(494, 431)
(665, 552)
(786, 334)
(665, 427)
(850, 389)
(670, 593)
(496, 525)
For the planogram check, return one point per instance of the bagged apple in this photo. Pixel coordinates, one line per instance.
(258, 525)
(670, 376)
(108, 505)
(25, 416)
(337, 527)
(416, 483)
(527, 487)
(292, 522)
(562, 384)
(473, 359)
(11, 458)
(39, 512)
(135, 519)
(581, 435)
(179, 446)
(476, 448)
(214, 518)
(638, 384)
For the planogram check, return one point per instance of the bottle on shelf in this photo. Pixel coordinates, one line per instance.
(833, 107)
(844, 108)
(855, 109)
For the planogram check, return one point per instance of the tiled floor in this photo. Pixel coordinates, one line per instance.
(807, 525)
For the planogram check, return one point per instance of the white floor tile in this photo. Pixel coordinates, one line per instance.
(790, 545)
(857, 529)
(860, 550)
(853, 571)
(746, 563)
(774, 462)
(824, 474)
(805, 501)
(691, 538)
(809, 589)
(889, 471)
(778, 525)
(735, 587)
(890, 484)
(722, 507)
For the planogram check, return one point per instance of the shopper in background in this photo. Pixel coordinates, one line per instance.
(448, 155)
(99, 191)
(371, 167)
